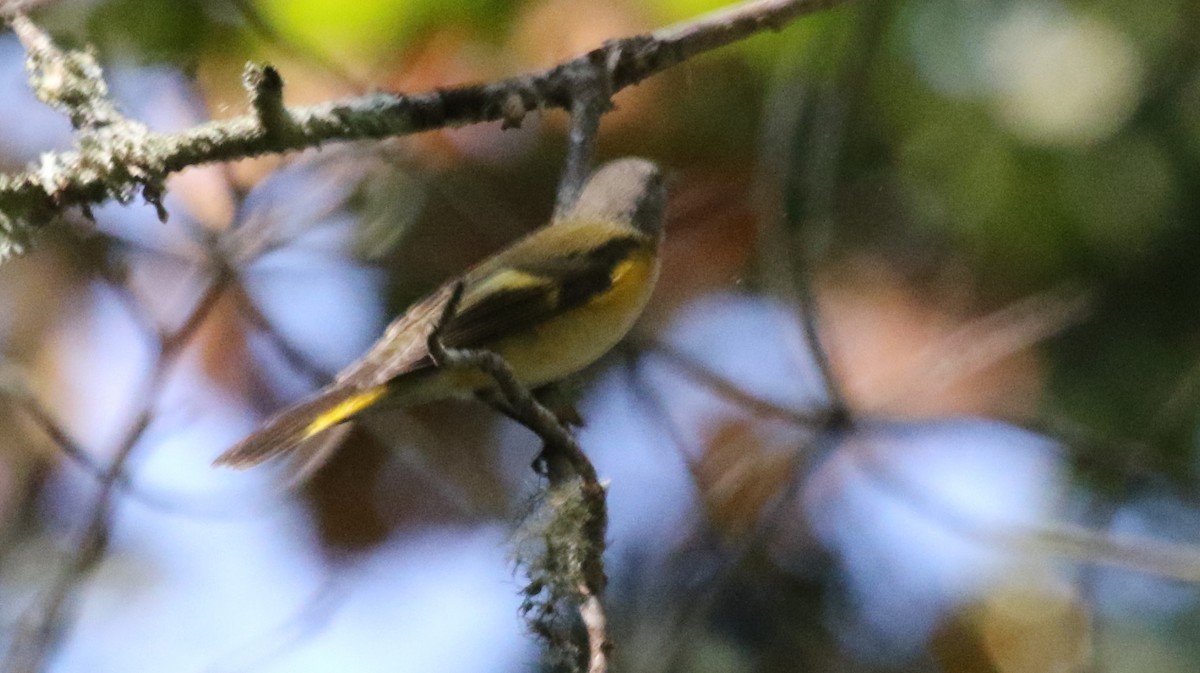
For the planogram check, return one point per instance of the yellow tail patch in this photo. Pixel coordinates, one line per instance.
(344, 410)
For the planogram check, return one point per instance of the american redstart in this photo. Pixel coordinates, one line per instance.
(549, 304)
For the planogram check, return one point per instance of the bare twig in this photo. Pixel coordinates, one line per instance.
(1174, 561)
(158, 500)
(816, 131)
(99, 171)
(689, 614)
(696, 371)
(591, 611)
(317, 375)
(39, 626)
(1177, 409)
(986, 341)
(296, 359)
(312, 617)
(1136, 465)
(776, 239)
(521, 404)
(809, 310)
(13, 386)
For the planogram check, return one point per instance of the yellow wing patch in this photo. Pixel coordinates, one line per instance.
(507, 279)
(630, 282)
(343, 410)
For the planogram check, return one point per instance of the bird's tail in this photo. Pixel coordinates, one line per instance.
(300, 423)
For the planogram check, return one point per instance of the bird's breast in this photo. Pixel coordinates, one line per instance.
(578, 337)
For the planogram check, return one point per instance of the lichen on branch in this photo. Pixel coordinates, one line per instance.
(118, 158)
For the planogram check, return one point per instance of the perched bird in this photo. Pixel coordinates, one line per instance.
(550, 304)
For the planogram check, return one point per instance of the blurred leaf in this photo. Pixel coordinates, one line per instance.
(739, 474)
(1032, 627)
(356, 29)
(388, 203)
(1121, 194)
(1157, 28)
(369, 29)
(152, 31)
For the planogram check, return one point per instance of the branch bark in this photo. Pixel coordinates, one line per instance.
(107, 165)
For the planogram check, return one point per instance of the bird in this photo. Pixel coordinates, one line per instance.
(549, 304)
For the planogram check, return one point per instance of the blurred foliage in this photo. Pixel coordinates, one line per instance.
(370, 29)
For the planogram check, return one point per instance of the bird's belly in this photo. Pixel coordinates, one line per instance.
(573, 340)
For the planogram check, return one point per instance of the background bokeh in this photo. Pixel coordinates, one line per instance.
(987, 211)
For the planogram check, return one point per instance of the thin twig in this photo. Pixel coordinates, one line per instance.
(14, 387)
(1174, 561)
(39, 626)
(157, 500)
(591, 612)
(72, 81)
(1179, 562)
(982, 343)
(691, 612)
(814, 130)
(696, 371)
(808, 309)
(1137, 465)
(592, 98)
(412, 460)
(296, 359)
(521, 403)
(265, 86)
(776, 239)
(1091, 449)
(312, 617)
(1175, 410)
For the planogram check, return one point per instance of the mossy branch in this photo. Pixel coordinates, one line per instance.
(561, 542)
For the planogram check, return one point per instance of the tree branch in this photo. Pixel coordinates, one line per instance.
(137, 160)
(593, 97)
(567, 528)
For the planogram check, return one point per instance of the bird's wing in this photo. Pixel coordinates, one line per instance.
(403, 348)
(514, 291)
(528, 291)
